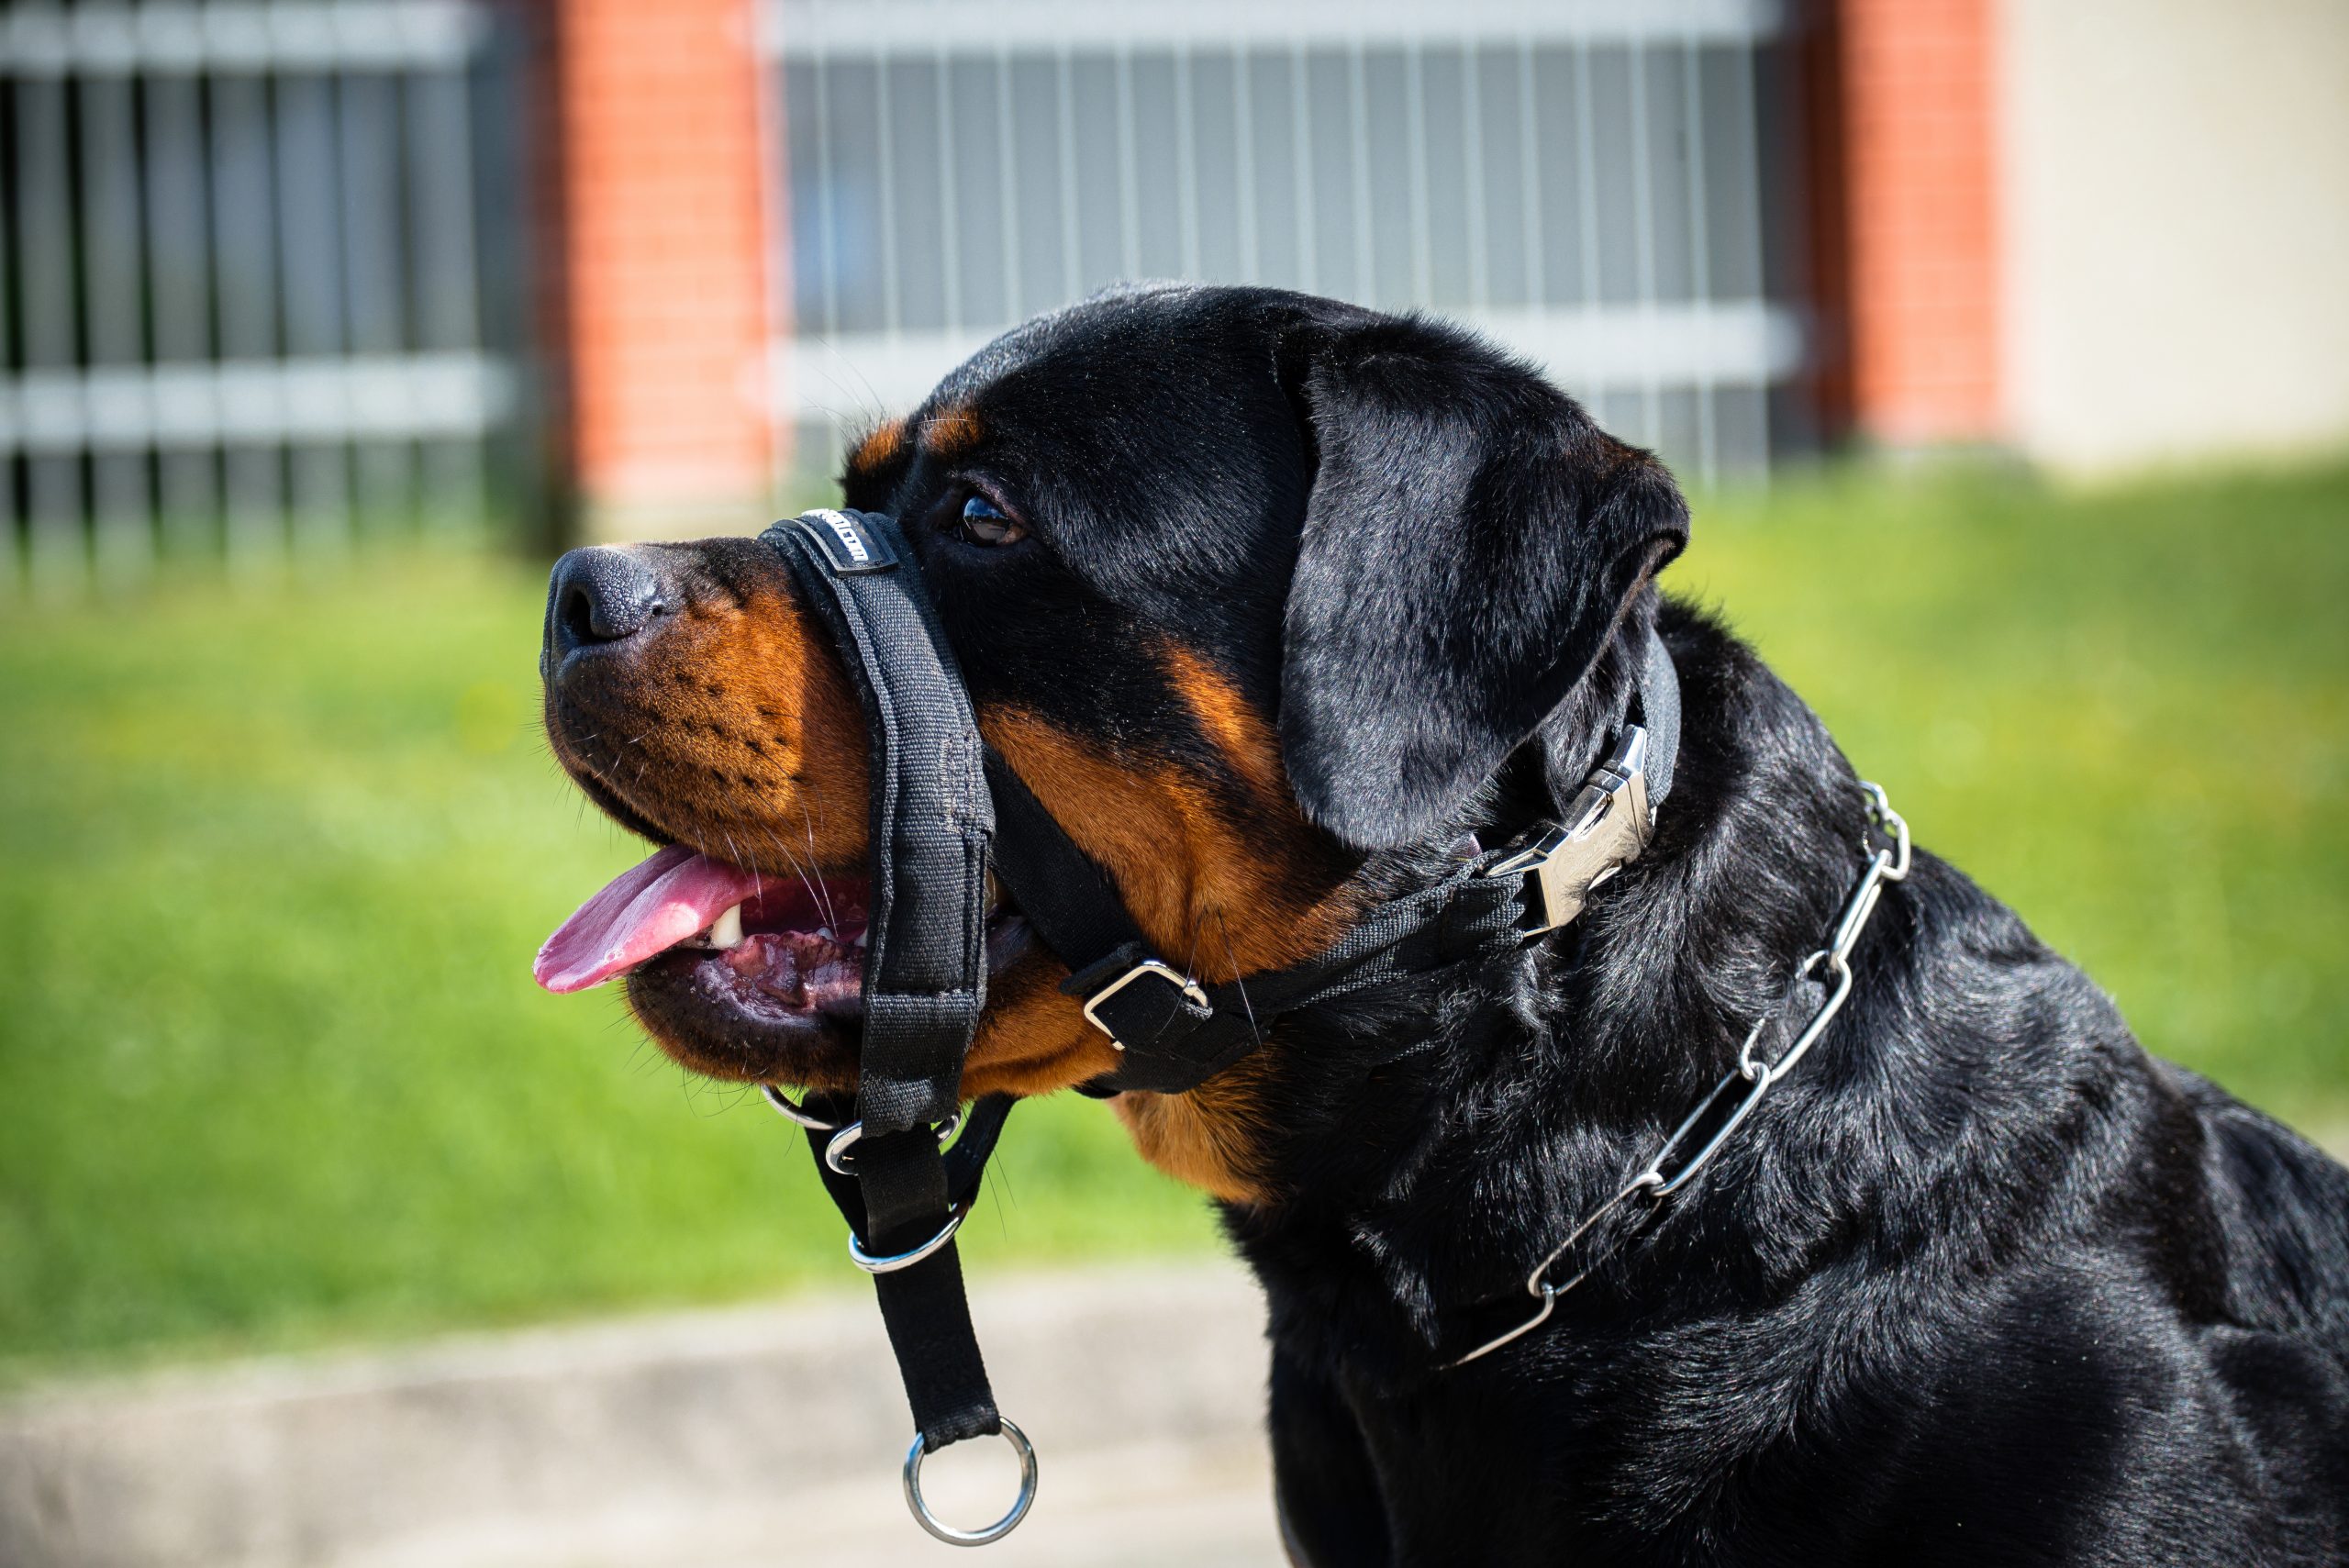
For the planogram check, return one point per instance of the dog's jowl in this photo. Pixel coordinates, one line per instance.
(1284, 612)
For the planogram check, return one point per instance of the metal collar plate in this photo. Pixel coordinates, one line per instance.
(1605, 829)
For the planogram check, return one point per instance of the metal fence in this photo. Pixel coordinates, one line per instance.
(1599, 183)
(243, 311)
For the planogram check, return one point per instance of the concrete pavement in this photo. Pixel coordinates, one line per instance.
(754, 1436)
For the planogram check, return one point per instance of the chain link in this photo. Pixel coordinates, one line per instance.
(1750, 1080)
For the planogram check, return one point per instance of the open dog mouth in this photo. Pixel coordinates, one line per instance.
(768, 951)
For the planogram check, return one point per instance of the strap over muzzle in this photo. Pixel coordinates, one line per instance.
(943, 810)
(925, 981)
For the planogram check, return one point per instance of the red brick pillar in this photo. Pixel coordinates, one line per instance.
(661, 264)
(1914, 154)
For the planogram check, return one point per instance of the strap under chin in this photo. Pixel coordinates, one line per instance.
(925, 963)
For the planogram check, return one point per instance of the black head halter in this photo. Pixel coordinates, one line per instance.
(943, 809)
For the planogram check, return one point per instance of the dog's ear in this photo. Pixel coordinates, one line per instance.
(1471, 539)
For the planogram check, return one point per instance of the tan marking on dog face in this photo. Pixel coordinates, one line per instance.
(1214, 891)
(877, 451)
(734, 730)
(1247, 741)
(1221, 883)
(1207, 1139)
(951, 432)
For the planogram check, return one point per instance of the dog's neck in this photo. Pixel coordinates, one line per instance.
(1428, 1183)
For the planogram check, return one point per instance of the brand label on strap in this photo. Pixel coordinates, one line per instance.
(851, 546)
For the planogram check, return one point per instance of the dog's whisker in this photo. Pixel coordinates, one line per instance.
(1238, 981)
(807, 825)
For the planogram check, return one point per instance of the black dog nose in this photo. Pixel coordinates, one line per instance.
(600, 594)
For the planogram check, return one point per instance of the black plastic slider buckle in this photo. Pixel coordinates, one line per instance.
(1133, 985)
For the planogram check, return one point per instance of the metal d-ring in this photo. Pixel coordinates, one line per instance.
(984, 1533)
(836, 1152)
(797, 1114)
(895, 1260)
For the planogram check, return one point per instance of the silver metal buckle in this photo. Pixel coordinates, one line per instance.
(1188, 986)
(1606, 828)
(984, 1533)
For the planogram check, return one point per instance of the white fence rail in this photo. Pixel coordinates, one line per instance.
(242, 310)
(1591, 181)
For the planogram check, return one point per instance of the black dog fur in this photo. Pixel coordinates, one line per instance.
(1981, 1283)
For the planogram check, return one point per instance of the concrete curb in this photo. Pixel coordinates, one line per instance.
(766, 1435)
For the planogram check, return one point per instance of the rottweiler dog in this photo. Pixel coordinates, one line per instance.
(1276, 603)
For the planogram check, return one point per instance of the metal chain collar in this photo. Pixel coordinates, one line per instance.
(1654, 1184)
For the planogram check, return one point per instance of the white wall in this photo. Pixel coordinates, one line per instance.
(2176, 228)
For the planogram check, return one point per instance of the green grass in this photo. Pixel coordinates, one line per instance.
(271, 868)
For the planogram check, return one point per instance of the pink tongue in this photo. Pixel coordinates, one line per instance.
(646, 909)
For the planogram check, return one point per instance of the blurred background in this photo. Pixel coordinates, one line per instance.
(2002, 345)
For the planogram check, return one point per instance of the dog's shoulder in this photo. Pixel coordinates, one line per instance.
(2283, 1210)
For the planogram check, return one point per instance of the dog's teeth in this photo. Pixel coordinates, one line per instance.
(725, 931)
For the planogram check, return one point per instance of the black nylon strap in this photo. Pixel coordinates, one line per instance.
(1174, 1034)
(925, 962)
(925, 969)
(900, 1183)
(1173, 1045)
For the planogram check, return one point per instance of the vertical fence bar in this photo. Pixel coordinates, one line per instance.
(1472, 132)
(310, 296)
(949, 220)
(1529, 174)
(1700, 261)
(1358, 166)
(245, 265)
(886, 198)
(1415, 116)
(1186, 160)
(442, 168)
(1243, 133)
(113, 326)
(827, 183)
(13, 571)
(1749, 122)
(373, 286)
(1007, 161)
(58, 554)
(1301, 90)
(1643, 229)
(1072, 249)
(180, 289)
(1128, 167)
(1587, 173)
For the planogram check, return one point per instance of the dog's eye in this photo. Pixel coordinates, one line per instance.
(982, 522)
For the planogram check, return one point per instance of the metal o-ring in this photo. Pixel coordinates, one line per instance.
(796, 1114)
(836, 1152)
(984, 1533)
(906, 1260)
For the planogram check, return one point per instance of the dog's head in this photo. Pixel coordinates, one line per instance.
(1256, 593)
